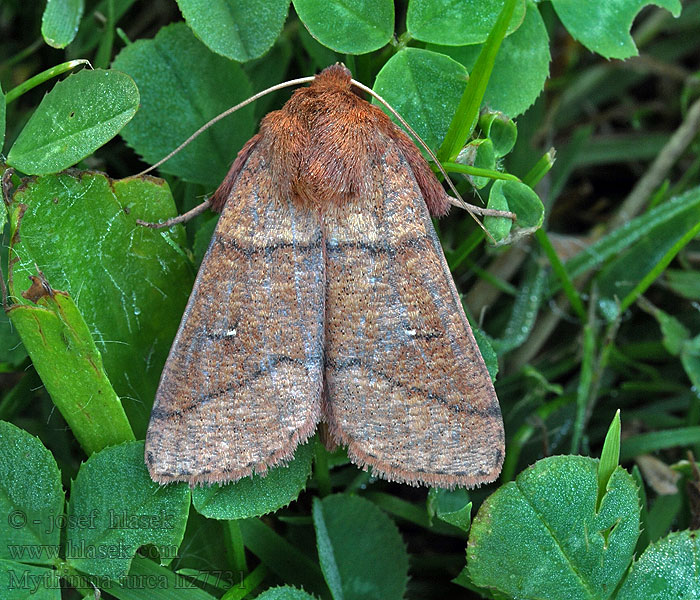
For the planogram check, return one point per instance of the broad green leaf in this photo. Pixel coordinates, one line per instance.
(183, 85)
(501, 130)
(457, 22)
(127, 509)
(31, 499)
(65, 356)
(321, 55)
(255, 495)
(130, 283)
(604, 27)
(348, 26)
(425, 88)
(540, 537)
(370, 564)
(60, 21)
(20, 582)
(79, 115)
(285, 593)
(268, 71)
(521, 67)
(237, 29)
(666, 570)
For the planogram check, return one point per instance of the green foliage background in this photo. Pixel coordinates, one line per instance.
(581, 117)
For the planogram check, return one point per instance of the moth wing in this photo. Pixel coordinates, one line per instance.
(242, 385)
(406, 387)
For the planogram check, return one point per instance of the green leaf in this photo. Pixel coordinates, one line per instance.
(690, 359)
(523, 201)
(457, 22)
(487, 352)
(70, 366)
(183, 85)
(129, 282)
(679, 211)
(521, 67)
(609, 457)
(147, 579)
(644, 443)
(524, 312)
(500, 130)
(79, 115)
(276, 553)
(480, 154)
(89, 36)
(60, 21)
(320, 55)
(467, 113)
(237, 29)
(452, 506)
(370, 564)
(425, 88)
(541, 537)
(285, 593)
(127, 509)
(348, 26)
(31, 498)
(684, 283)
(498, 227)
(268, 71)
(256, 495)
(20, 582)
(43, 77)
(675, 334)
(620, 278)
(667, 569)
(604, 27)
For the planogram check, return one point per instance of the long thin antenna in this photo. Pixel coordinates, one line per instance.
(226, 113)
(458, 201)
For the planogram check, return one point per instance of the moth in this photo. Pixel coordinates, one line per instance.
(325, 296)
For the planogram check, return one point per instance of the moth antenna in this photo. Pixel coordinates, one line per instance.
(183, 218)
(458, 201)
(226, 113)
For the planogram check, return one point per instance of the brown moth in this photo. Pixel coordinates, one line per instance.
(325, 296)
